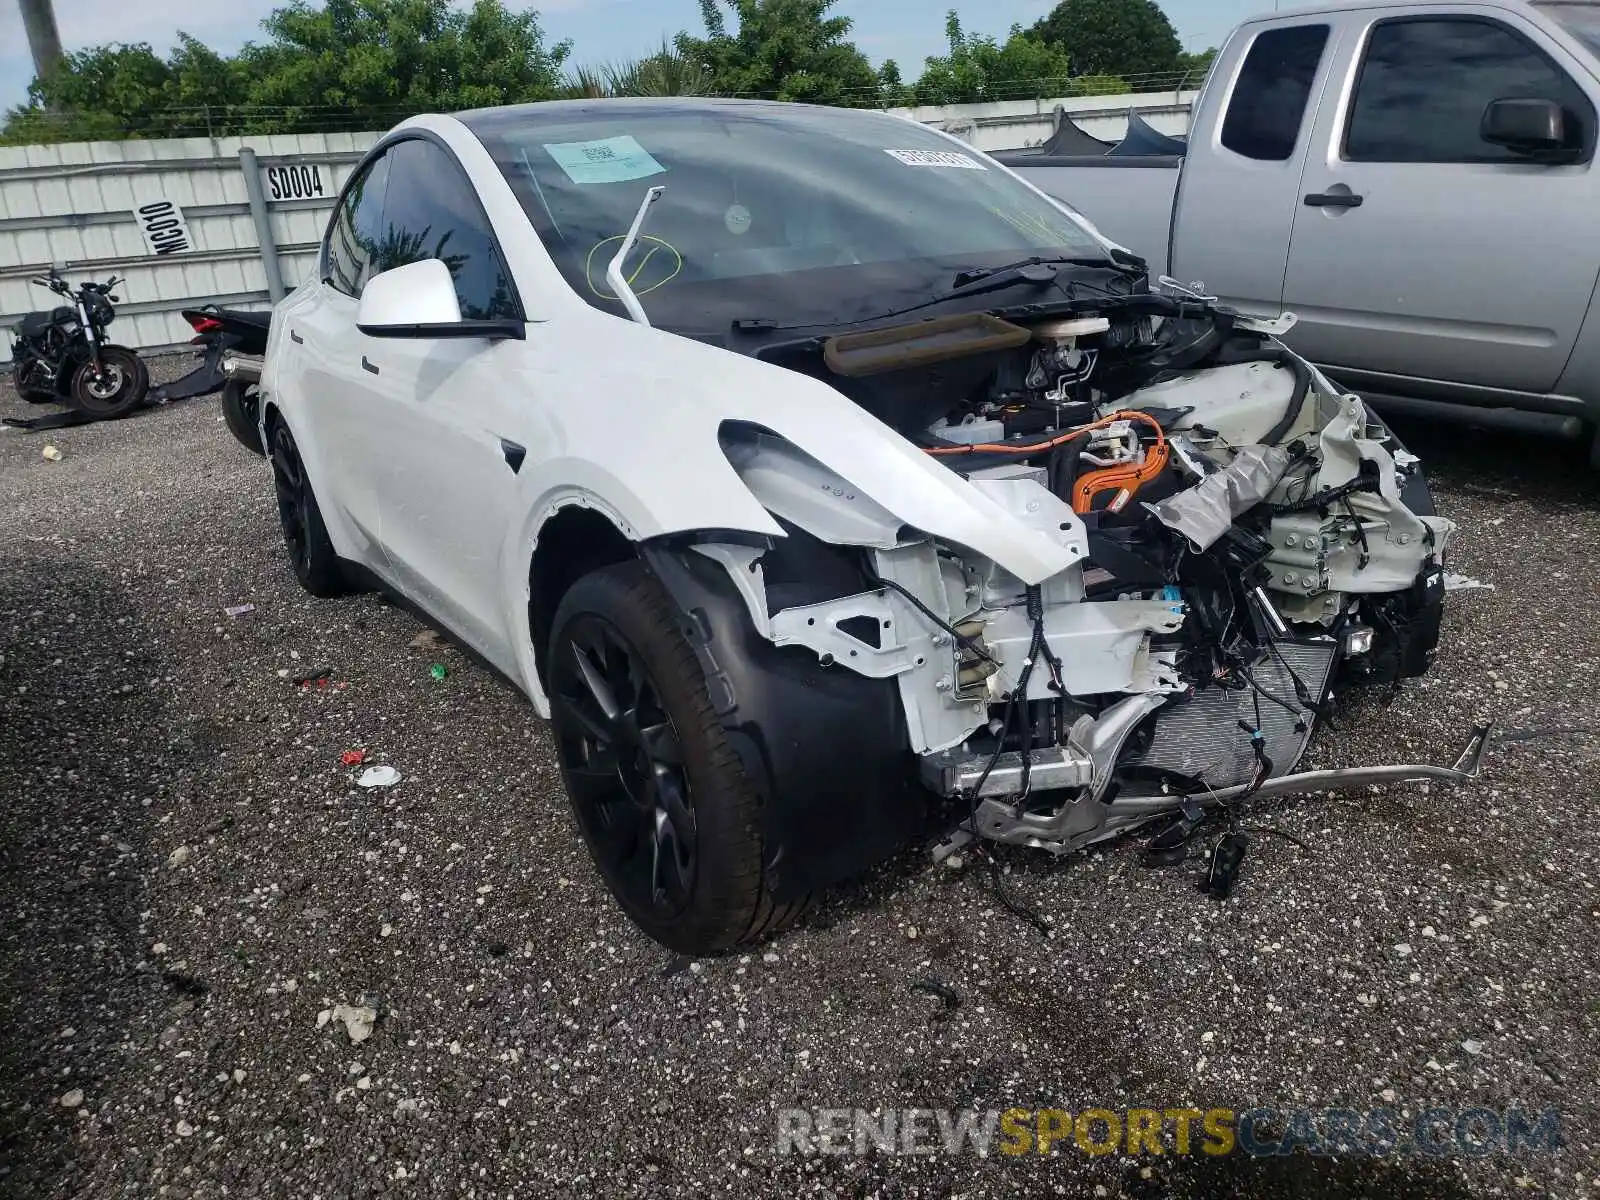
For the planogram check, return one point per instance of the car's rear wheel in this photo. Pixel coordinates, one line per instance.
(305, 536)
(659, 794)
(241, 409)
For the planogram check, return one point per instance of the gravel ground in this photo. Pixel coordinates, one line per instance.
(190, 880)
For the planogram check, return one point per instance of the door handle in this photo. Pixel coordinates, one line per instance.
(1334, 200)
(369, 366)
(514, 454)
(296, 338)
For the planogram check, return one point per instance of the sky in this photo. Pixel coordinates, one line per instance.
(601, 30)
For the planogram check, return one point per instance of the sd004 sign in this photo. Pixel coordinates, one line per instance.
(163, 226)
(294, 181)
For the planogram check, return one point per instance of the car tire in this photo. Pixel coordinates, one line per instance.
(311, 555)
(658, 792)
(241, 409)
(111, 389)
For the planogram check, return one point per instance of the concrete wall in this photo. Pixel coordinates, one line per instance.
(78, 205)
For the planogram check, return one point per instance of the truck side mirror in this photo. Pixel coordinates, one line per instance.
(1530, 126)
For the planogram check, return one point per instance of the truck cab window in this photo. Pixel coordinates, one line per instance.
(1274, 88)
(1425, 82)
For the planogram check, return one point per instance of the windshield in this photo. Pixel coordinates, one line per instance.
(1582, 21)
(775, 212)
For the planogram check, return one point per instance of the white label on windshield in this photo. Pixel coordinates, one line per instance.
(937, 158)
(610, 160)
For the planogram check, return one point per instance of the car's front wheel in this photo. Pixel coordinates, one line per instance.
(659, 794)
(305, 537)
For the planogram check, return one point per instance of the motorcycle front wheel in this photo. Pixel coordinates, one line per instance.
(112, 388)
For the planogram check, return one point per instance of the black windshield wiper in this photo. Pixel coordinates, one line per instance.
(1036, 274)
(977, 274)
(1115, 260)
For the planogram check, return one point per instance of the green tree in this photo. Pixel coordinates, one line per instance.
(664, 73)
(373, 62)
(893, 91)
(1196, 67)
(782, 50)
(1113, 37)
(979, 68)
(353, 64)
(98, 93)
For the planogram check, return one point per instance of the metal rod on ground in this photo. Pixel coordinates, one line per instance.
(263, 223)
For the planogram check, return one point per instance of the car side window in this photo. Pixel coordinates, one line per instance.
(1426, 81)
(432, 211)
(353, 236)
(1269, 101)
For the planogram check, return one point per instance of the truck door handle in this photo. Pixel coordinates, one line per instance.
(367, 365)
(296, 338)
(1334, 200)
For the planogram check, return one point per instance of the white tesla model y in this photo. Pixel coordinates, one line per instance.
(823, 482)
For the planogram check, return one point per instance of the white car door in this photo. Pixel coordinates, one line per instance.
(339, 408)
(448, 411)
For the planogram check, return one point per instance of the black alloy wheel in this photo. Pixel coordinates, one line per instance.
(305, 537)
(659, 793)
(625, 769)
(289, 481)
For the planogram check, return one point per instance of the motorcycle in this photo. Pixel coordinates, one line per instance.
(63, 355)
(232, 342)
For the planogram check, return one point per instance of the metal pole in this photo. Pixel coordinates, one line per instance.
(263, 223)
(44, 39)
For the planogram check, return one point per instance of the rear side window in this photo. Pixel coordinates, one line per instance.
(1425, 83)
(357, 227)
(433, 212)
(1269, 101)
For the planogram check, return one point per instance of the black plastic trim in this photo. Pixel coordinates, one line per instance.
(1334, 200)
(492, 330)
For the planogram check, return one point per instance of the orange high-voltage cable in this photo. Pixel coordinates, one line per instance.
(1128, 477)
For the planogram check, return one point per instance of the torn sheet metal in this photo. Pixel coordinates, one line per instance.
(1206, 511)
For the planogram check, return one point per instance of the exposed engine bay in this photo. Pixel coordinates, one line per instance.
(1241, 538)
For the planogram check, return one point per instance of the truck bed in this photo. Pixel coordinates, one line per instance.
(1129, 199)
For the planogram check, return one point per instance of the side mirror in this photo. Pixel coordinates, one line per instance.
(419, 300)
(1535, 127)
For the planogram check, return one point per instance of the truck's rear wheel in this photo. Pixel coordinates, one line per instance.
(659, 794)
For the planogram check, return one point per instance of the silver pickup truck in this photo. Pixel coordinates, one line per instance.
(1415, 182)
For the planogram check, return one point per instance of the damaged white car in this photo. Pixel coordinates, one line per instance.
(822, 481)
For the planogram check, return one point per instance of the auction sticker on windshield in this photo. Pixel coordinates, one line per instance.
(609, 160)
(937, 158)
